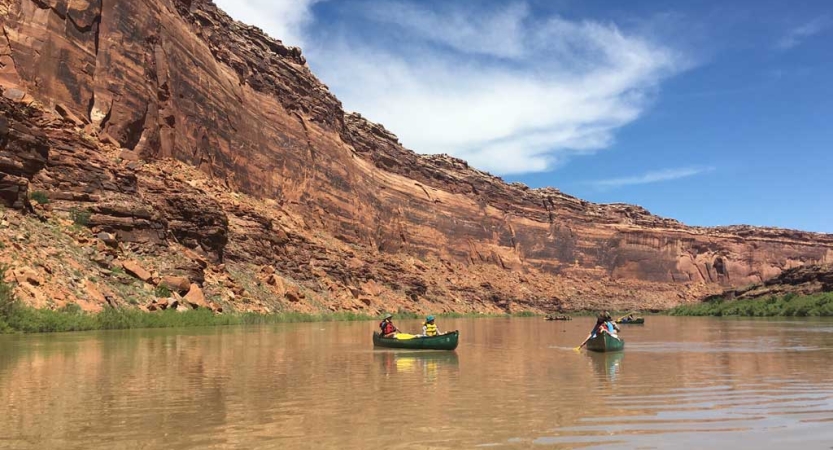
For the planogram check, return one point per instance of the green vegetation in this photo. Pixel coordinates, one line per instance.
(7, 301)
(18, 318)
(80, 217)
(22, 319)
(791, 305)
(162, 292)
(39, 197)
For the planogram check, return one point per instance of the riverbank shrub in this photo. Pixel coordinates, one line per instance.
(7, 302)
(80, 217)
(39, 197)
(17, 318)
(790, 305)
(162, 292)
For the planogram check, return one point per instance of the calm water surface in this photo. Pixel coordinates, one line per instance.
(513, 383)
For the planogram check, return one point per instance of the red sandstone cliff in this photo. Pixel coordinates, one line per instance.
(803, 280)
(214, 153)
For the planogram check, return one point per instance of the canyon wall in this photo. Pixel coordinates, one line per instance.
(131, 85)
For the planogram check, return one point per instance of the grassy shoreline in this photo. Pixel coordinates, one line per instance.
(791, 305)
(16, 318)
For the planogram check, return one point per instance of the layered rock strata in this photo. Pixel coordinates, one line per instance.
(123, 89)
(804, 280)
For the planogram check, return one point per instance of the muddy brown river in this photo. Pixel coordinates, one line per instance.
(683, 383)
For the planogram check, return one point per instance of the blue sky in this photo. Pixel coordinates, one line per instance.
(710, 112)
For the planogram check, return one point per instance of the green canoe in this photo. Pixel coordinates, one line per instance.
(605, 343)
(446, 341)
(637, 321)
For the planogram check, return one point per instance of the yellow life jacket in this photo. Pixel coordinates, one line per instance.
(430, 329)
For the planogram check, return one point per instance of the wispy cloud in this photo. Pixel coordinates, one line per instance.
(508, 91)
(489, 32)
(799, 34)
(651, 177)
(281, 19)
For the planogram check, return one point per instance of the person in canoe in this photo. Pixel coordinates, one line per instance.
(601, 326)
(612, 328)
(627, 319)
(387, 328)
(429, 328)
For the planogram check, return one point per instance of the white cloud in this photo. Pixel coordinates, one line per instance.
(281, 19)
(507, 91)
(497, 33)
(799, 34)
(651, 177)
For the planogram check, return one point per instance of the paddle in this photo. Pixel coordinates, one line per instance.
(585, 341)
(626, 315)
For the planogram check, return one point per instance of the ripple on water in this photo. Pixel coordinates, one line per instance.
(737, 346)
(788, 412)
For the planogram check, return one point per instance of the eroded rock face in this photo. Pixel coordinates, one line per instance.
(179, 79)
(23, 153)
(804, 280)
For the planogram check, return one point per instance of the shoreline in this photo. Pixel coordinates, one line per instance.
(788, 306)
(19, 319)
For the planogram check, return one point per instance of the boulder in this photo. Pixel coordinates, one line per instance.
(293, 294)
(136, 270)
(108, 239)
(275, 281)
(14, 192)
(195, 297)
(180, 285)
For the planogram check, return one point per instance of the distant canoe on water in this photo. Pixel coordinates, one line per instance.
(558, 317)
(636, 321)
(604, 342)
(446, 341)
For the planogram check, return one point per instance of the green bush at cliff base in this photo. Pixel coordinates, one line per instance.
(17, 318)
(24, 319)
(7, 302)
(39, 197)
(791, 305)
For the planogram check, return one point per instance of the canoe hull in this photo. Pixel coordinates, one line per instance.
(605, 343)
(446, 341)
(639, 321)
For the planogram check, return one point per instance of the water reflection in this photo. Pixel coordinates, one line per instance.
(606, 365)
(680, 382)
(429, 363)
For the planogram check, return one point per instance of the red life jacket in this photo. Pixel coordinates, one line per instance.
(387, 327)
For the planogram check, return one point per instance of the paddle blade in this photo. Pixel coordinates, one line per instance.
(404, 336)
